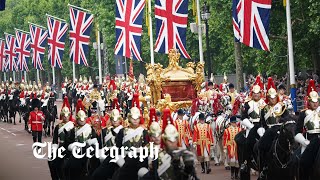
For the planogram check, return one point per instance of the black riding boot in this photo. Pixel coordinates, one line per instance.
(202, 167)
(208, 167)
(232, 173)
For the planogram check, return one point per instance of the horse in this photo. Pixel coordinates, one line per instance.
(50, 111)
(3, 107)
(280, 159)
(13, 103)
(24, 110)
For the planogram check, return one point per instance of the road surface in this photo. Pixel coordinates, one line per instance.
(18, 162)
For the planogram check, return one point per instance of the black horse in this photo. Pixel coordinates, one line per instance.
(280, 159)
(50, 112)
(4, 108)
(24, 110)
(13, 103)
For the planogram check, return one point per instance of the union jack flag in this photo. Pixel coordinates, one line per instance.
(171, 26)
(56, 37)
(10, 63)
(38, 42)
(23, 49)
(80, 29)
(2, 54)
(129, 16)
(251, 22)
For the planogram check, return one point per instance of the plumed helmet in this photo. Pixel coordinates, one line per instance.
(155, 129)
(65, 111)
(135, 113)
(81, 116)
(311, 91)
(36, 103)
(115, 115)
(170, 133)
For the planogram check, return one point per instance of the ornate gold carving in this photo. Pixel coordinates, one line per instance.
(157, 78)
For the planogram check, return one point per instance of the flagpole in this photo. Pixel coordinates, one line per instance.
(53, 76)
(291, 59)
(21, 30)
(55, 17)
(79, 8)
(25, 76)
(99, 56)
(37, 25)
(74, 71)
(199, 32)
(151, 33)
(38, 76)
(14, 76)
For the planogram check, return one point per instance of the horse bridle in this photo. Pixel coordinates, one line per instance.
(275, 154)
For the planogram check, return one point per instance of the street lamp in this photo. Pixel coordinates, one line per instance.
(205, 15)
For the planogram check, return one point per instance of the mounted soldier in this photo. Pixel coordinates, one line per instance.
(309, 119)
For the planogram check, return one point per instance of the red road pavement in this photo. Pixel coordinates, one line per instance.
(18, 162)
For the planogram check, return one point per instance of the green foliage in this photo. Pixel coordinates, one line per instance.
(305, 20)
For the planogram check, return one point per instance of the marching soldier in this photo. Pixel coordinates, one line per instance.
(107, 168)
(230, 146)
(202, 140)
(183, 128)
(132, 136)
(36, 119)
(61, 138)
(309, 120)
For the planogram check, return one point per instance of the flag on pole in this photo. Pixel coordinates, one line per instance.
(10, 62)
(56, 40)
(38, 42)
(2, 54)
(129, 17)
(23, 49)
(251, 22)
(171, 26)
(80, 29)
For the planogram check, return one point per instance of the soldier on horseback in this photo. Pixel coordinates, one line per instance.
(309, 120)
(251, 120)
(271, 115)
(61, 138)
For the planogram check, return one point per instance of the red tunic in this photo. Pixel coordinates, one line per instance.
(183, 129)
(202, 136)
(228, 141)
(35, 120)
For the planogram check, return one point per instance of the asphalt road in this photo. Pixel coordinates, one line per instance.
(18, 163)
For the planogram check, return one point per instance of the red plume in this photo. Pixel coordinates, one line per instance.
(259, 82)
(135, 100)
(166, 115)
(115, 104)
(270, 84)
(65, 103)
(113, 85)
(79, 105)
(152, 115)
(311, 86)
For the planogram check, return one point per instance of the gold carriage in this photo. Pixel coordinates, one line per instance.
(174, 87)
